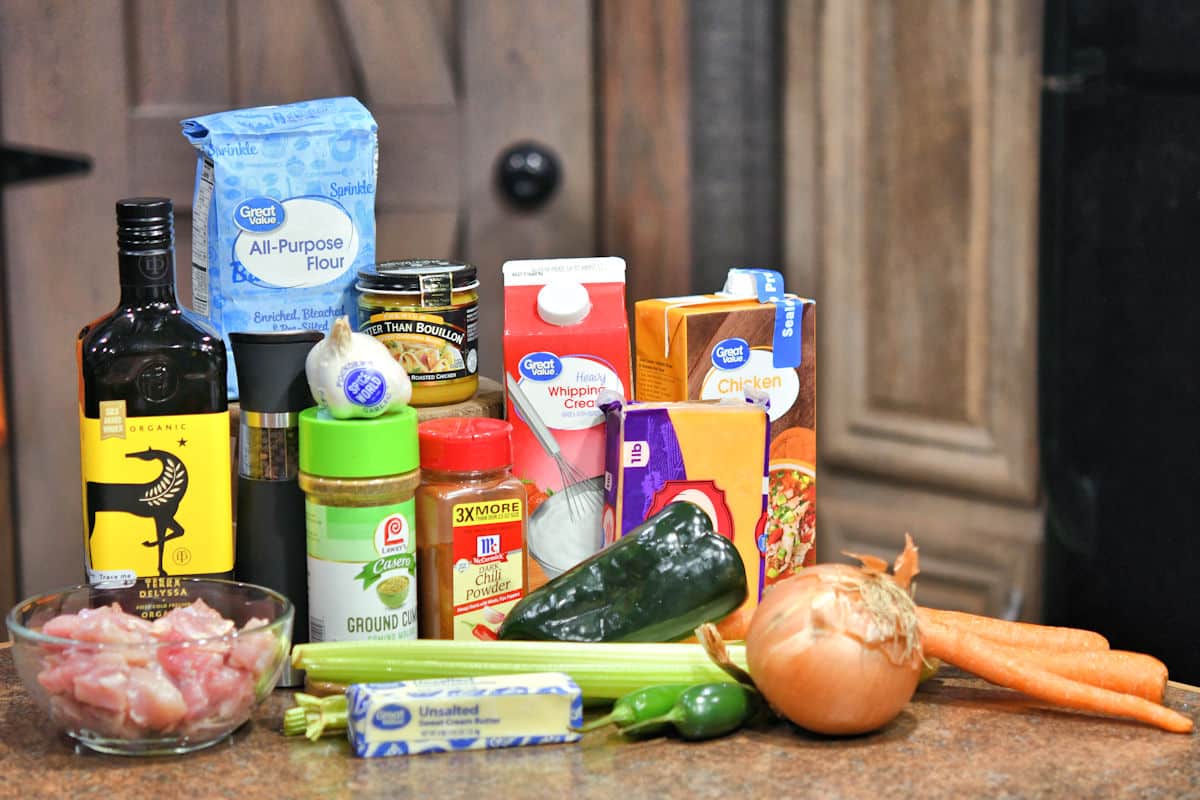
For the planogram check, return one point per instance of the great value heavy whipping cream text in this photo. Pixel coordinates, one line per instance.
(283, 214)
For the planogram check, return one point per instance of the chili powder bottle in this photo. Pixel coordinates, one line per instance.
(471, 514)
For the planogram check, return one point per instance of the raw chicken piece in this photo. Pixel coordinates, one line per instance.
(154, 702)
(196, 621)
(253, 652)
(104, 624)
(104, 682)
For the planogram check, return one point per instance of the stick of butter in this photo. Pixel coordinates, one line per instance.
(437, 715)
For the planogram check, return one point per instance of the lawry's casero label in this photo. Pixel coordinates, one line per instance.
(283, 214)
(155, 488)
(362, 572)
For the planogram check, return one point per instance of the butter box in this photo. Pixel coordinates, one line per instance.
(712, 454)
(440, 715)
(751, 336)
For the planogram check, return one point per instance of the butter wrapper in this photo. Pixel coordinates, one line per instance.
(440, 715)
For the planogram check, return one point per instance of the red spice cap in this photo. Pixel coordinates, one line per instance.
(465, 444)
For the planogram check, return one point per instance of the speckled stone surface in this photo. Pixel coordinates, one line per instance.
(958, 738)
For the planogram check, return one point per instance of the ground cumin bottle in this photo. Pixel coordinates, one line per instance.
(358, 477)
(470, 528)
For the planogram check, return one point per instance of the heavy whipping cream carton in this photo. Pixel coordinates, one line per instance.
(566, 341)
(283, 215)
(750, 337)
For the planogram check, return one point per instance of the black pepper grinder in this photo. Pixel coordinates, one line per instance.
(271, 545)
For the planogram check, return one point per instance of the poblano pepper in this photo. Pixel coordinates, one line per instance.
(656, 584)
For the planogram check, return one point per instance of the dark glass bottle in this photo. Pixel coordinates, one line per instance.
(154, 421)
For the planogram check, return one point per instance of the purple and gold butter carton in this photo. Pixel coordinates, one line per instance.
(712, 454)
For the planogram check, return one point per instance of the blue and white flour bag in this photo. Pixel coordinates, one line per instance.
(283, 215)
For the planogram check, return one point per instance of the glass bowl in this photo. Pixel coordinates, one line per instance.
(135, 687)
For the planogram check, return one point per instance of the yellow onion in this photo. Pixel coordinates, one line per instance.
(835, 648)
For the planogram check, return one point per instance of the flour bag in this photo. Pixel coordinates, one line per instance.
(283, 215)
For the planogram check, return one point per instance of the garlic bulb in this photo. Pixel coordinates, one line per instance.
(353, 374)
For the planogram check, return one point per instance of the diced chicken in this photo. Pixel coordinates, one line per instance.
(104, 624)
(146, 684)
(154, 702)
(196, 621)
(253, 652)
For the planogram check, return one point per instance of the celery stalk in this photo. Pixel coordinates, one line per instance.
(604, 671)
(315, 716)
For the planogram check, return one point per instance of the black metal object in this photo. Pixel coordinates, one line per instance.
(1119, 384)
(18, 165)
(528, 174)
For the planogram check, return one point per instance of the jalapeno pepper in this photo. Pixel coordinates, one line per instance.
(640, 706)
(707, 711)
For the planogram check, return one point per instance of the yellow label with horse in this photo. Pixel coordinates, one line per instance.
(156, 494)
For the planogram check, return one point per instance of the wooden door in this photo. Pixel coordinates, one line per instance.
(912, 195)
(451, 84)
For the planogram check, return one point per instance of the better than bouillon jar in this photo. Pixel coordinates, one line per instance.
(359, 476)
(427, 313)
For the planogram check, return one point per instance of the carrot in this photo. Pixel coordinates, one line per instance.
(1000, 666)
(1016, 634)
(1118, 670)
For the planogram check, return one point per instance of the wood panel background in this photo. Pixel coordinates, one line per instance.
(929, 141)
(645, 153)
(450, 84)
(911, 158)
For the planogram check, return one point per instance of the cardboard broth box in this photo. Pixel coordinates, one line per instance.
(751, 337)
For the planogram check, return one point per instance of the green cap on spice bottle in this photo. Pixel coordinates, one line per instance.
(358, 448)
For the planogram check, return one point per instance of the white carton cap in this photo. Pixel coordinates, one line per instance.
(739, 284)
(563, 303)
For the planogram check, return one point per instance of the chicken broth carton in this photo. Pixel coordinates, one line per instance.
(566, 340)
(751, 336)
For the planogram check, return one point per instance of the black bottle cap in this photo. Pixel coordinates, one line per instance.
(145, 224)
(270, 369)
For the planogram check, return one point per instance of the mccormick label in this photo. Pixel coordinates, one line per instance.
(362, 574)
(488, 572)
(156, 495)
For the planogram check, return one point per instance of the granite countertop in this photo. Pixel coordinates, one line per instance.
(959, 737)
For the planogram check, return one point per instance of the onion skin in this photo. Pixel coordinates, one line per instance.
(816, 654)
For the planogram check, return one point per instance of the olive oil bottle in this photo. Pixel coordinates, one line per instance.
(153, 423)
